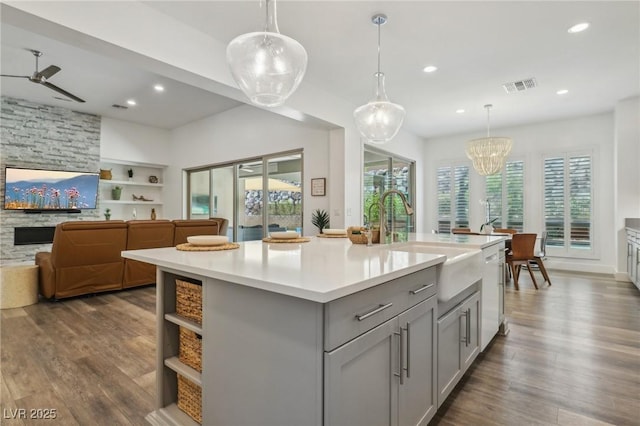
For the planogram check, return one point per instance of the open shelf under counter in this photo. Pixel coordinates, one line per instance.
(183, 322)
(184, 370)
(170, 415)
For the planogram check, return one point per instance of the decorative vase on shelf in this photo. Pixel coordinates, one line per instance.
(116, 192)
(153, 214)
(130, 174)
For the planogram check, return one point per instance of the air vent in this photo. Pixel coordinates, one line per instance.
(116, 106)
(520, 86)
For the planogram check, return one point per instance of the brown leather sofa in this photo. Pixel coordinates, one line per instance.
(189, 227)
(145, 234)
(86, 256)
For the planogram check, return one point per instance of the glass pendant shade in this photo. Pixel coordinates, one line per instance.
(489, 154)
(379, 120)
(267, 66)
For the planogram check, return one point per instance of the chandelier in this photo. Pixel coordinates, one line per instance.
(266, 65)
(379, 120)
(488, 154)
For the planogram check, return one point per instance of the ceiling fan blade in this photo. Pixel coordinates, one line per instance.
(48, 71)
(62, 91)
(18, 76)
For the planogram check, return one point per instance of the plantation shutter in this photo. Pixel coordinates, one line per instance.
(461, 194)
(580, 206)
(514, 195)
(494, 195)
(444, 199)
(554, 198)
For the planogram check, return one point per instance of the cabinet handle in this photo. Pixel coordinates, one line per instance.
(464, 339)
(468, 326)
(637, 256)
(421, 289)
(400, 358)
(408, 369)
(380, 308)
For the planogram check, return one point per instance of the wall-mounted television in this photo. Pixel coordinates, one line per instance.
(49, 190)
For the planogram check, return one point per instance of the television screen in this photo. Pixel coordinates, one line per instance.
(31, 189)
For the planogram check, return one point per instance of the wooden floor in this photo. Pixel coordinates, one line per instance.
(572, 358)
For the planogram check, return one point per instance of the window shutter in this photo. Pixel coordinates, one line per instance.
(444, 199)
(554, 200)
(514, 195)
(461, 194)
(505, 192)
(580, 201)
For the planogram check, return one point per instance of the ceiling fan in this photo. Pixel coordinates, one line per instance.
(42, 77)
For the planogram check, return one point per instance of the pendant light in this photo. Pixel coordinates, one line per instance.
(488, 154)
(266, 65)
(379, 120)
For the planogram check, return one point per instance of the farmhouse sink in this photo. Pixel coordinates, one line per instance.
(462, 268)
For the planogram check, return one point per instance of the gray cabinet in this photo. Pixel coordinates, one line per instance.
(385, 376)
(458, 343)
(633, 256)
(417, 396)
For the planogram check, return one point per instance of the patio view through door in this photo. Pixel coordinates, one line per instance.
(236, 192)
(384, 171)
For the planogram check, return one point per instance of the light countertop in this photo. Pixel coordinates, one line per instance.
(321, 270)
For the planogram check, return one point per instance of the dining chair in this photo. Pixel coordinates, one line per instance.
(538, 258)
(522, 252)
(505, 231)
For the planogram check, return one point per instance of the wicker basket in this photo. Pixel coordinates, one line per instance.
(190, 398)
(190, 350)
(189, 300)
(357, 235)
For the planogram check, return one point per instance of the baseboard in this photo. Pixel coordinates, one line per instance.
(622, 276)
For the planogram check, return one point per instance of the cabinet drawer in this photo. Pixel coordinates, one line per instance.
(353, 315)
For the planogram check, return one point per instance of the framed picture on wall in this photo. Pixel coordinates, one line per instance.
(318, 186)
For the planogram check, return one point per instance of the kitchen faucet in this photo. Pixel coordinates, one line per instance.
(407, 208)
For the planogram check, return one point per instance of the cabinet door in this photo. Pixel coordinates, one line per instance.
(361, 386)
(470, 342)
(449, 356)
(417, 395)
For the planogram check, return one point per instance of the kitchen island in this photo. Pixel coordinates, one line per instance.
(316, 333)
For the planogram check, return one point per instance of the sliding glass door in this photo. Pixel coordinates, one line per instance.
(237, 191)
(382, 172)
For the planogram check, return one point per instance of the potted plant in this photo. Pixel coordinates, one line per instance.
(320, 219)
(116, 192)
(107, 214)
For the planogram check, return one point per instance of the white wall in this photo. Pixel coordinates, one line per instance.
(627, 173)
(530, 143)
(126, 141)
(240, 133)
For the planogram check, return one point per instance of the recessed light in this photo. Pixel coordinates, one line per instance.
(158, 88)
(131, 102)
(562, 92)
(430, 68)
(578, 28)
(460, 111)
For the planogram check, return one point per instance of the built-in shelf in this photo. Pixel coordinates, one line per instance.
(129, 183)
(172, 415)
(183, 322)
(146, 203)
(187, 372)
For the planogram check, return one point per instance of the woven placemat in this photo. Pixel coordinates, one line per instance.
(191, 247)
(332, 236)
(286, 240)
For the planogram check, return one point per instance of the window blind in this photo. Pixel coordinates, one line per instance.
(505, 192)
(444, 199)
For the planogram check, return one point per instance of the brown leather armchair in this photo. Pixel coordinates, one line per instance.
(188, 227)
(145, 234)
(84, 258)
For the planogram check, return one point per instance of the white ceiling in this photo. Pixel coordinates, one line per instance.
(476, 45)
